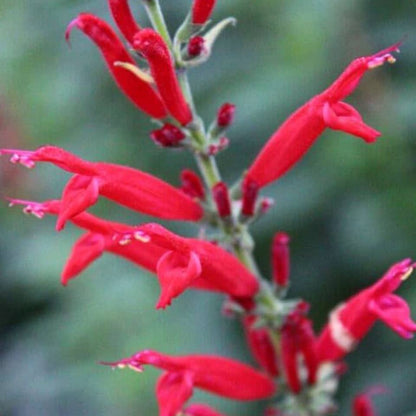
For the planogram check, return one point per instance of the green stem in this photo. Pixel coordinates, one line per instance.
(158, 21)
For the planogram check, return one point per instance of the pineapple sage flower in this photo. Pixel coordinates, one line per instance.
(215, 374)
(179, 263)
(351, 321)
(130, 187)
(297, 134)
(138, 90)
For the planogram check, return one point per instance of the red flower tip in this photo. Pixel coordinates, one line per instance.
(196, 45)
(192, 184)
(167, 136)
(222, 199)
(250, 192)
(225, 115)
(201, 11)
(113, 51)
(280, 259)
(124, 19)
(38, 209)
(24, 157)
(154, 49)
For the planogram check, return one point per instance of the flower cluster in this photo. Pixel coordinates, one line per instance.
(296, 367)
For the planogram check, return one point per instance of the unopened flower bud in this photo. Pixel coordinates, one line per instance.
(192, 184)
(217, 147)
(225, 115)
(222, 199)
(280, 259)
(250, 192)
(167, 136)
(196, 46)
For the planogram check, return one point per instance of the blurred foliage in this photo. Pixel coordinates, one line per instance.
(349, 207)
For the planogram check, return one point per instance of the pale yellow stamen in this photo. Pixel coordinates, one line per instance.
(144, 76)
(140, 236)
(407, 273)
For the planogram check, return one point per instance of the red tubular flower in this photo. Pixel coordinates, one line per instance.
(222, 199)
(261, 346)
(200, 410)
(201, 11)
(351, 321)
(155, 50)
(192, 184)
(280, 259)
(297, 134)
(298, 339)
(139, 91)
(225, 115)
(124, 19)
(180, 263)
(250, 192)
(189, 260)
(127, 186)
(218, 375)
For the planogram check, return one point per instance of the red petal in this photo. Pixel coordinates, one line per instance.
(88, 248)
(349, 124)
(176, 273)
(78, 195)
(395, 313)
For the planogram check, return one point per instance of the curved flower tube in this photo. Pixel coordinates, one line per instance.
(130, 187)
(297, 134)
(137, 90)
(215, 374)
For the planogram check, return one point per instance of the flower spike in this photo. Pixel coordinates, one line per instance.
(351, 321)
(326, 110)
(124, 19)
(155, 50)
(137, 90)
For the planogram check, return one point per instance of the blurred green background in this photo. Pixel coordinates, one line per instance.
(349, 207)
